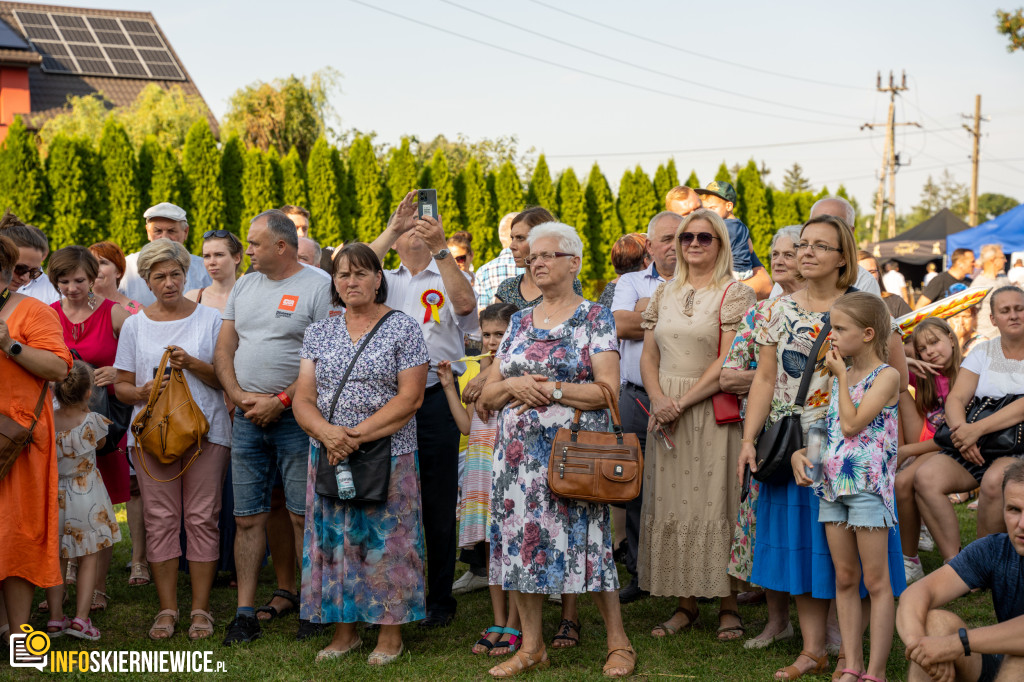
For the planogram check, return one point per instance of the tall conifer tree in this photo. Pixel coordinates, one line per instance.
(294, 180)
(541, 191)
(369, 187)
(324, 194)
(754, 210)
(232, 168)
(121, 188)
(22, 178)
(478, 212)
(201, 165)
(401, 174)
(602, 223)
(508, 190)
(74, 197)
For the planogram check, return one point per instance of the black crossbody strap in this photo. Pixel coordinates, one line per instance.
(344, 378)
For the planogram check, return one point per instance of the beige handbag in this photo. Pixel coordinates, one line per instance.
(171, 425)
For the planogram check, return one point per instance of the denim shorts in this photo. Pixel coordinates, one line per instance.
(863, 510)
(257, 452)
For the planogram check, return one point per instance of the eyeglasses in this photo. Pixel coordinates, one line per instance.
(820, 249)
(461, 259)
(216, 234)
(784, 255)
(546, 256)
(22, 270)
(703, 238)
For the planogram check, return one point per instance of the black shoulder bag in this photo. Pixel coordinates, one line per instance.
(371, 463)
(120, 414)
(776, 446)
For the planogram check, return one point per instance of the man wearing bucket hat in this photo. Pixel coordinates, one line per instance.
(165, 220)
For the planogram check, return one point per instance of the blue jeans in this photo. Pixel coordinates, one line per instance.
(255, 454)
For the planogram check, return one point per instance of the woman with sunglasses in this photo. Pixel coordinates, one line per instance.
(461, 246)
(690, 498)
(222, 254)
(791, 553)
(27, 275)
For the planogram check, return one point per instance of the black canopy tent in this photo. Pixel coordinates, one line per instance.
(920, 245)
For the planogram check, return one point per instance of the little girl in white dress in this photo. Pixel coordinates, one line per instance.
(86, 516)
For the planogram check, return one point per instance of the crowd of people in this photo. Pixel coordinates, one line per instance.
(335, 395)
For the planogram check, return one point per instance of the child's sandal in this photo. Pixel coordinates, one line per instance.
(57, 628)
(486, 643)
(515, 638)
(83, 629)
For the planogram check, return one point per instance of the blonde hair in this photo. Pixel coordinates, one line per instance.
(161, 250)
(926, 395)
(847, 248)
(868, 312)
(723, 263)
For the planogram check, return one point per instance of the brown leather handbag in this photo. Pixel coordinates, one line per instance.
(596, 466)
(171, 425)
(15, 438)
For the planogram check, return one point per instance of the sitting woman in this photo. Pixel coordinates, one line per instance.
(362, 562)
(994, 370)
(548, 364)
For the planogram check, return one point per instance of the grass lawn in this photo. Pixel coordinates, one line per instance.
(445, 654)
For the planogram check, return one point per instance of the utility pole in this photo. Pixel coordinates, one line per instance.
(976, 134)
(890, 159)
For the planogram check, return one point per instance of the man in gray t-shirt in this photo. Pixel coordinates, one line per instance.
(257, 363)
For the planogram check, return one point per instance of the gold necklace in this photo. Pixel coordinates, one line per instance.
(547, 318)
(365, 329)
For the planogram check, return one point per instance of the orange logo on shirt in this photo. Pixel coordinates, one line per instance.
(288, 303)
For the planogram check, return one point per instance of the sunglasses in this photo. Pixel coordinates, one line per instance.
(216, 234)
(461, 259)
(703, 238)
(22, 270)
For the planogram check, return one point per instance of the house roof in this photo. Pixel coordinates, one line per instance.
(78, 51)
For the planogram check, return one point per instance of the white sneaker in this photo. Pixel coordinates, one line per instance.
(469, 582)
(913, 569)
(926, 542)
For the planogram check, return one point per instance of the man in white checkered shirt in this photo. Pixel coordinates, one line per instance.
(490, 275)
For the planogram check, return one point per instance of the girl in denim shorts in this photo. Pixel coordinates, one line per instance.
(856, 490)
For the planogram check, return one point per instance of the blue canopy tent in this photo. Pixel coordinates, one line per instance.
(1006, 230)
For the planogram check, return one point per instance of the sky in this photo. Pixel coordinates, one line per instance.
(626, 83)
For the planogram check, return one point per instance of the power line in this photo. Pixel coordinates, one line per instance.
(715, 58)
(635, 86)
(641, 67)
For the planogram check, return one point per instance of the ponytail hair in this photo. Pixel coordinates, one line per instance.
(76, 386)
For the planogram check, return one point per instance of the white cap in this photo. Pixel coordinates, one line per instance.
(165, 210)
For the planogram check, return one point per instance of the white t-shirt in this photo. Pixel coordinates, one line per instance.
(41, 289)
(894, 282)
(997, 376)
(142, 343)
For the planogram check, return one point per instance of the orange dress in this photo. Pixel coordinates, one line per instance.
(29, 537)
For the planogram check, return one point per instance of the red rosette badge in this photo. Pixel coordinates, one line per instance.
(432, 300)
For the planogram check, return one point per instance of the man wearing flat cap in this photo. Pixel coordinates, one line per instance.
(163, 221)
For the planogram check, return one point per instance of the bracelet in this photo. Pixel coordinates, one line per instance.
(747, 440)
(963, 640)
(285, 400)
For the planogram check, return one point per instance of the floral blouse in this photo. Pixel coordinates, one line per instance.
(744, 350)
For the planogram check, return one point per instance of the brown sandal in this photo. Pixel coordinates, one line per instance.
(691, 617)
(794, 673)
(200, 630)
(624, 653)
(521, 662)
(737, 631)
(840, 664)
(165, 631)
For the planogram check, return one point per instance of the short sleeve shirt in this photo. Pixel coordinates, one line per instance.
(992, 563)
(945, 285)
(997, 376)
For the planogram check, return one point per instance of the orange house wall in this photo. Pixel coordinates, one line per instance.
(14, 96)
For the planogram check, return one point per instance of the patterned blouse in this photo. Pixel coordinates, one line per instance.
(744, 350)
(397, 346)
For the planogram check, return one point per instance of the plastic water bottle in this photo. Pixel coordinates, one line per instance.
(815, 441)
(343, 473)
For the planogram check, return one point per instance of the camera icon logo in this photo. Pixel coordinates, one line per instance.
(30, 649)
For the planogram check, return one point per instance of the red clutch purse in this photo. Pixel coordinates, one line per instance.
(725, 405)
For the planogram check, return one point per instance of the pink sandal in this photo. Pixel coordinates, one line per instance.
(60, 626)
(85, 629)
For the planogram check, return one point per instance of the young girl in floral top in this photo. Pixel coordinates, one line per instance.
(859, 470)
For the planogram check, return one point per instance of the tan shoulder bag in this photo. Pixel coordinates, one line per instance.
(171, 424)
(596, 466)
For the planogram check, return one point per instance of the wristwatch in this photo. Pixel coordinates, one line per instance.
(15, 349)
(442, 254)
(557, 393)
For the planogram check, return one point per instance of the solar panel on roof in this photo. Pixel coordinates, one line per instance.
(9, 38)
(99, 46)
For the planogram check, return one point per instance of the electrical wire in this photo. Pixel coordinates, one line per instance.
(641, 67)
(635, 86)
(715, 58)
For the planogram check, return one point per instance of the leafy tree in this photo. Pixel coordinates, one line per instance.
(168, 181)
(602, 225)
(1011, 25)
(294, 180)
(347, 204)
(259, 191)
(637, 202)
(232, 170)
(443, 182)
(794, 180)
(946, 192)
(572, 210)
(69, 169)
(22, 179)
(478, 212)
(324, 194)
(508, 190)
(201, 164)
(120, 186)
(541, 191)
(754, 210)
(692, 182)
(665, 178)
(400, 174)
(369, 189)
(723, 175)
(285, 113)
(144, 169)
(993, 205)
(784, 209)
(489, 153)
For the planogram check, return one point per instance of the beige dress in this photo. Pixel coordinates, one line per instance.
(691, 495)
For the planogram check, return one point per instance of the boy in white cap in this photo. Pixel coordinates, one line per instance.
(163, 221)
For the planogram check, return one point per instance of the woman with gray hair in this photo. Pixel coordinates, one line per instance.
(993, 275)
(169, 496)
(547, 364)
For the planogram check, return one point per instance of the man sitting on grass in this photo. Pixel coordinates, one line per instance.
(940, 646)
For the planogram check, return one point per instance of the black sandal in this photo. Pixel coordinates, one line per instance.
(274, 613)
(564, 628)
(738, 630)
